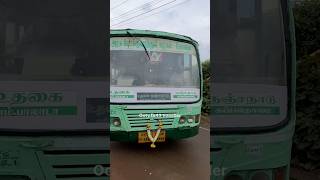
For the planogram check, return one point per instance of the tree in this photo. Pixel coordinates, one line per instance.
(206, 86)
(306, 144)
(307, 22)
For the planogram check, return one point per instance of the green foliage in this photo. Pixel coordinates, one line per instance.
(306, 145)
(206, 87)
(307, 22)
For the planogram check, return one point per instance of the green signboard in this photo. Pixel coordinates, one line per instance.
(151, 44)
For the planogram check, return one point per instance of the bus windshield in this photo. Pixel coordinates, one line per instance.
(250, 64)
(250, 47)
(53, 66)
(169, 66)
(46, 46)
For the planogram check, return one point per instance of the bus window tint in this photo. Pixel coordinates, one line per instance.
(249, 66)
(44, 47)
(53, 65)
(165, 69)
(262, 59)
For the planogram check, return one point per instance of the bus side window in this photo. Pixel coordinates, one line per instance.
(176, 71)
(10, 63)
(10, 36)
(187, 68)
(246, 9)
(195, 70)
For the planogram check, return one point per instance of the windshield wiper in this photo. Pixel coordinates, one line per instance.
(144, 47)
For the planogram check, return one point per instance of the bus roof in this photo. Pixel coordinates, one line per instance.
(159, 34)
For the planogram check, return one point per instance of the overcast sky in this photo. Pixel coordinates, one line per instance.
(186, 17)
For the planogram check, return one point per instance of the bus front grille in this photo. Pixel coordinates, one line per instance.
(76, 164)
(138, 120)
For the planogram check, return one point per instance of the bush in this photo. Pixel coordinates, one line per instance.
(306, 145)
(307, 25)
(206, 87)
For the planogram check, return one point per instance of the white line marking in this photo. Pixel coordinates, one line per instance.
(206, 129)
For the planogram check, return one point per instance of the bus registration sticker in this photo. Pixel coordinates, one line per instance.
(143, 137)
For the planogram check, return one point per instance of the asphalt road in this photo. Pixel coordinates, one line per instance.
(187, 159)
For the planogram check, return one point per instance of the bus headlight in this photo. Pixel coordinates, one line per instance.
(190, 120)
(116, 122)
(182, 120)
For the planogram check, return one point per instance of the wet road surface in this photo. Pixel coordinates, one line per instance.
(186, 159)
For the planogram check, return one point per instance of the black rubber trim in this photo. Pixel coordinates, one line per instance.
(215, 149)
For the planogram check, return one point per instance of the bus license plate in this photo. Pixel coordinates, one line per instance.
(143, 136)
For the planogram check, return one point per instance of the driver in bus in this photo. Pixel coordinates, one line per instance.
(129, 77)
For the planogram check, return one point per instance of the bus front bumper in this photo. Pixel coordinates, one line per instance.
(171, 134)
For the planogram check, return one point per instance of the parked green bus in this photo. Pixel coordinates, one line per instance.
(253, 102)
(53, 90)
(156, 86)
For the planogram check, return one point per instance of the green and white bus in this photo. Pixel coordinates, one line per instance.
(156, 86)
(253, 102)
(53, 90)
